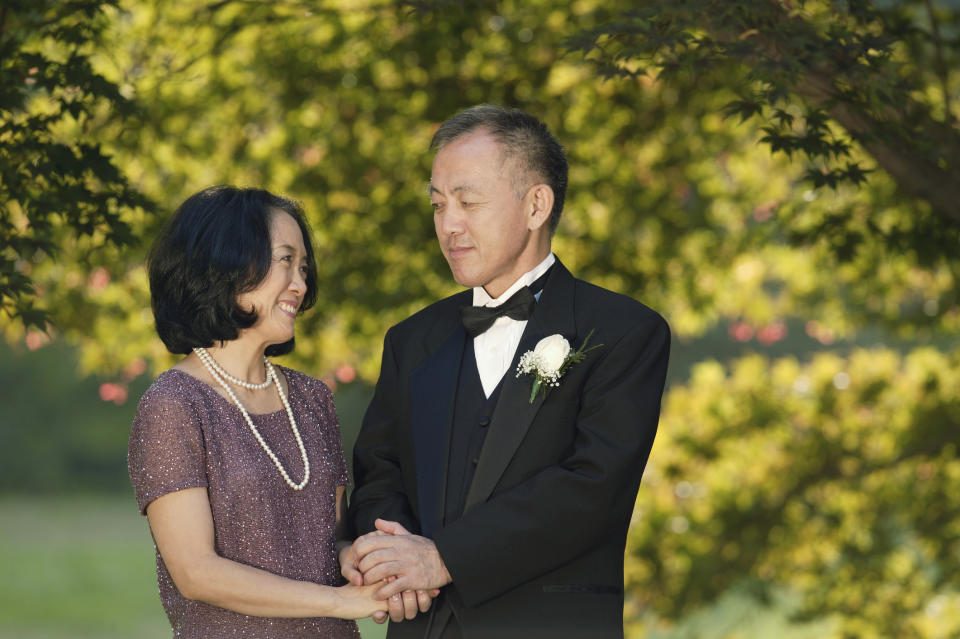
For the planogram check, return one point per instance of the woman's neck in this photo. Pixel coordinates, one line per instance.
(241, 359)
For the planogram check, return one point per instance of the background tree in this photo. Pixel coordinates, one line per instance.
(767, 475)
(61, 196)
(885, 74)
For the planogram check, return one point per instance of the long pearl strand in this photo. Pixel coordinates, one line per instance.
(207, 360)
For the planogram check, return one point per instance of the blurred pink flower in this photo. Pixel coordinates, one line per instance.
(134, 369)
(772, 333)
(110, 392)
(99, 278)
(346, 373)
(741, 331)
(36, 339)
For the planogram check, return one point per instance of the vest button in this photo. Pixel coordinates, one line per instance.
(476, 460)
(484, 421)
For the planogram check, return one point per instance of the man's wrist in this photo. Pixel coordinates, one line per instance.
(448, 578)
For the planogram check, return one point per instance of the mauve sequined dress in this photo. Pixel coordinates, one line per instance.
(185, 434)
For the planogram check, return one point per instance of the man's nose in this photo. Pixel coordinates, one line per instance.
(451, 221)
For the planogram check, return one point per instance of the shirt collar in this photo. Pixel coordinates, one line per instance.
(481, 298)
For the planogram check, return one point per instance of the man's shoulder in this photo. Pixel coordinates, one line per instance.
(597, 306)
(442, 312)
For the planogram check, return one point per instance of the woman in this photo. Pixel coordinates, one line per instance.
(237, 463)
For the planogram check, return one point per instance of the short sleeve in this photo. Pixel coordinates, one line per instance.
(166, 452)
(331, 434)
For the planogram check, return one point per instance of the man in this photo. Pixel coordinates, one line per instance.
(516, 504)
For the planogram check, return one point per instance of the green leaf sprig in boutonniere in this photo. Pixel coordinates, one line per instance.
(549, 360)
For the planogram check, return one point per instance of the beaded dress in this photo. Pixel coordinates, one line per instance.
(185, 434)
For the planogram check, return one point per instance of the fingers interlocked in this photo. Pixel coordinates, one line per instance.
(401, 561)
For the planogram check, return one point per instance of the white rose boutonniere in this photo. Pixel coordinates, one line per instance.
(549, 360)
(550, 353)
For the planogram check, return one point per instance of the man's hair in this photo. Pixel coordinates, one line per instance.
(525, 140)
(216, 246)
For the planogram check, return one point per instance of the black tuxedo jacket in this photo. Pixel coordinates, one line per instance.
(538, 551)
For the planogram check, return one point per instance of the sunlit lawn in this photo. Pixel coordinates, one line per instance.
(81, 568)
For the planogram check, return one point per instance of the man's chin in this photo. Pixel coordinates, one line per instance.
(468, 282)
(464, 279)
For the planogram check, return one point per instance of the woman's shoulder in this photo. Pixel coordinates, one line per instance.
(303, 381)
(173, 386)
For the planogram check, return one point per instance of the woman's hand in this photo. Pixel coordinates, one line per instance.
(357, 602)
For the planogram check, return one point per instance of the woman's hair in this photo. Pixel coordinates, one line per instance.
(216, 246)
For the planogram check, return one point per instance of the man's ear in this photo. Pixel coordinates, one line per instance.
(540, 203)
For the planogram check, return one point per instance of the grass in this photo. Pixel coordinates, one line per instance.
(77, 567)
(81, 568)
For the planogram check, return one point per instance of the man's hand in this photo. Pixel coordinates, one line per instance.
(391, 551)
(406, 604)
(401, 606)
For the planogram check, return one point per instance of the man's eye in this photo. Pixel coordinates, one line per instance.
(468, 205)
(436, 205)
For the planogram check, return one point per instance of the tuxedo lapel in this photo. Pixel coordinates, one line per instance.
(433, 389)
(514, 412)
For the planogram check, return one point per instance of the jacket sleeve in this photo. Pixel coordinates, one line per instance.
(564, 510)
(376, 467)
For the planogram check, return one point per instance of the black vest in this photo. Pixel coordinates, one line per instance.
(471, 418)
(472, 411)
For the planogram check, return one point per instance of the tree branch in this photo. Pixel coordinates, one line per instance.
(930, 171)
(895, 150)
(3, 23)
(941, 67)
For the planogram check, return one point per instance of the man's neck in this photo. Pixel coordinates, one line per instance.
(482, 295)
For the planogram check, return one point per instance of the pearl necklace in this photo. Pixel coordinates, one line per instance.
(207, 360)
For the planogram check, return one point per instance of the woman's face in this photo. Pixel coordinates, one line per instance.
(278, 297)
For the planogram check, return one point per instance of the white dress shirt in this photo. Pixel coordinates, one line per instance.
(495, 347)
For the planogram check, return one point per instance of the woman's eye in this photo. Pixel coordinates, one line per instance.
(304, 271)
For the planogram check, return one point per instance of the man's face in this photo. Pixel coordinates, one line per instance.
(480, 221)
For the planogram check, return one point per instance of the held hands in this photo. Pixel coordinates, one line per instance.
(413, 560)
(406, 568)
(357, 602)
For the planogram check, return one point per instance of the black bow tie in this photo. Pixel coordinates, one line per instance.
(477, 319)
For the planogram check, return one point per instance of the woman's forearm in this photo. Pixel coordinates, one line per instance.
(183, 530)
(252, 591)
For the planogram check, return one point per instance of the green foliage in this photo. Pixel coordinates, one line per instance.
(669, 201)
(56, 432)
(839, 478)
(61, 196)
(835, 480)
(817, 73)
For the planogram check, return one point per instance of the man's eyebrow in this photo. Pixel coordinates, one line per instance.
(462, 188)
